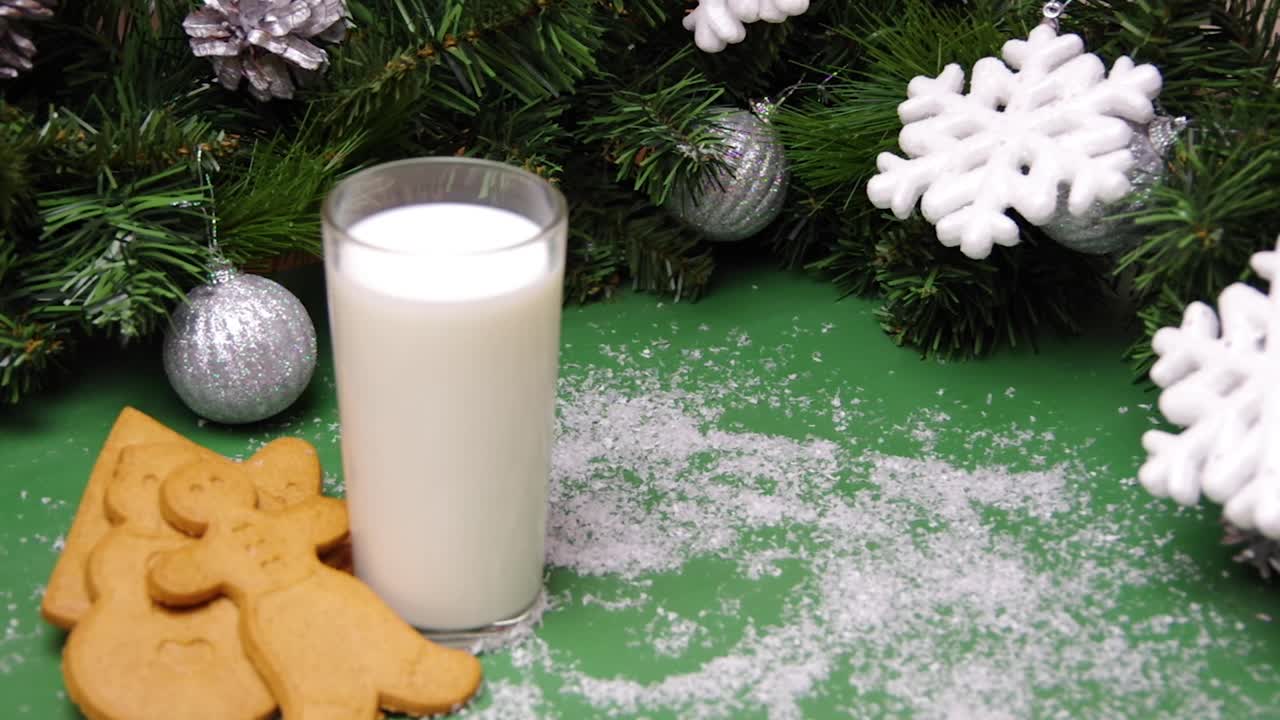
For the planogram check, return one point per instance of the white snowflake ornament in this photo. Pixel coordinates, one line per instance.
(1221, 380)
(718, 23)
(1047, 118)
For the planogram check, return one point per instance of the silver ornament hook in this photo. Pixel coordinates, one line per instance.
(765, 107)
(1053, 10)
(220, 268)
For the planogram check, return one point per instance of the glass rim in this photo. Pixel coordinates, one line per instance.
(559, 213)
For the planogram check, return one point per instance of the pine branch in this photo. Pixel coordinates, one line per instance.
(641, 14)
(596, 262)
(663, 257)
(1219, 204)
(617, 236)
(271, 206)
(750, 67)
(1202, 49)
(449, 57)
(1254, 24)
(132, 142)
(115, 260)
(945, 304)
(852, 258)
(809, 226)
(832, 143)
(96, 49)
(111, 262)
(28, 354)
(529, 135)
(16, 190)
(659, 138)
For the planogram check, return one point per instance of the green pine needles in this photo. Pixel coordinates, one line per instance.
(121, 159)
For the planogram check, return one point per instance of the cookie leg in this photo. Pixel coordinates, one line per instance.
(433, 679)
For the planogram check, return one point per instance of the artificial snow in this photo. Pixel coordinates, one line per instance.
(907, 586)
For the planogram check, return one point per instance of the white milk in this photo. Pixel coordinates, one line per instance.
(446, 369)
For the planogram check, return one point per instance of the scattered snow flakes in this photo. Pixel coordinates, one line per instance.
(919, 582)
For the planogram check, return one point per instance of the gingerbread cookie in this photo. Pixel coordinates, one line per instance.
(325, 644)
(133, 492)
(130, 659)
(285, 472)
(141, 450)
(66, 596)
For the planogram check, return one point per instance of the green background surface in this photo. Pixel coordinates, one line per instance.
(1078, 389)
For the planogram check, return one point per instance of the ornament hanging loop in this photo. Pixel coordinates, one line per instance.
(220, 268)
(1053, 10)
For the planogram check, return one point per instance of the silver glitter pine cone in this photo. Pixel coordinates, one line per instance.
(744, 199)
(267, 42)
(17, 51)
(240, 349)
(1095, 232)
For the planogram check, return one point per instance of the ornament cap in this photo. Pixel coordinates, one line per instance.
(763, 108)
(221, 270)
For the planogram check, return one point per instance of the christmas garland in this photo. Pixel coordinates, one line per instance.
(130, 134)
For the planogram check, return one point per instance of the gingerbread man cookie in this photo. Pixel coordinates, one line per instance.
(130, 659)
(66, 596)
(139, 448)
(325, 644)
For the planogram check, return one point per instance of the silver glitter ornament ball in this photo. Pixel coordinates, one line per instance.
(1095, 232)
(748, 195)
(241, 349)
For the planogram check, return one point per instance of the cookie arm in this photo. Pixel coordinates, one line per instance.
(323, 519)
(184, 577)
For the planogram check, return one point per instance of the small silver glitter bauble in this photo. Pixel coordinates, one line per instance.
(1094, 232)
(241, 349)
(744, 199)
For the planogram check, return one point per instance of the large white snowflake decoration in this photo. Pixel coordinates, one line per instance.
(1015, 139)
(717, 23)
(1221, 382)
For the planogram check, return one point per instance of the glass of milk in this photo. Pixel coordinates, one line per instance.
(444, 284)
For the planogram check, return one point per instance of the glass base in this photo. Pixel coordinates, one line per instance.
(494, 635)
